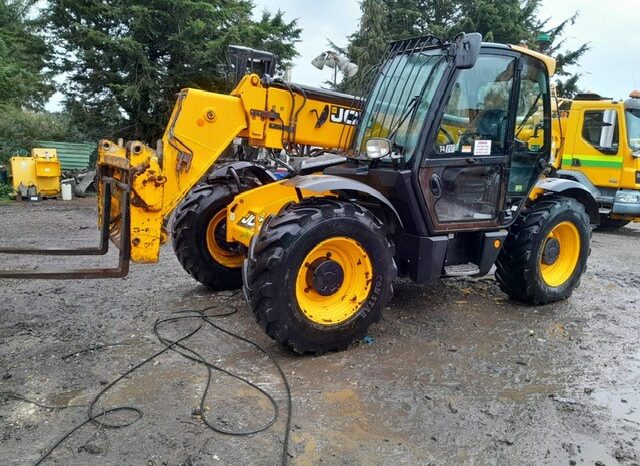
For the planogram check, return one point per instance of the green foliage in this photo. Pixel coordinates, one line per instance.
(367, 44)
(20, 129)
(125, 60)
(24, 80)
(5, 191)
(505, 21)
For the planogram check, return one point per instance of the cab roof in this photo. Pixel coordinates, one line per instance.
(549, 62)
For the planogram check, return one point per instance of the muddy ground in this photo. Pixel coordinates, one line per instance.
(454, 374)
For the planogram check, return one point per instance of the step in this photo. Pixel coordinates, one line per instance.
(461, 270)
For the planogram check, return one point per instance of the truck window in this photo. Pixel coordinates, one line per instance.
(633, 128)
(600, 129)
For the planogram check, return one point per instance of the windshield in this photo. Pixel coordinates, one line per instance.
(633, 128)
(400, 100)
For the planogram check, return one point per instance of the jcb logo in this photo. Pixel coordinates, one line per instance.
(248, 221)
(344, 116)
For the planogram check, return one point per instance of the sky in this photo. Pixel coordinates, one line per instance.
(611, 68)
(611, 28)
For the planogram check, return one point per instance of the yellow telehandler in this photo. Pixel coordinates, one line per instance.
(433, 173)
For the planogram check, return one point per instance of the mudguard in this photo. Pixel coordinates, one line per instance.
(262, 174)
(580, 178)
(576, 190)
(322, 183)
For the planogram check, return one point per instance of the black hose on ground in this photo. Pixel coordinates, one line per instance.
(179, 346)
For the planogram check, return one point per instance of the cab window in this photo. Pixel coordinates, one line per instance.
(600, 130)
(531, 125)
(532, 129)
(476, 116)
(633, 128)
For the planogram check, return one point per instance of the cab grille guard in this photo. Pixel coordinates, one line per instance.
(108, 183)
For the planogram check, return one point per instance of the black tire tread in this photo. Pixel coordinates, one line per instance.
(514, 267)
(269, 252)
(215, 276)
(608, 224)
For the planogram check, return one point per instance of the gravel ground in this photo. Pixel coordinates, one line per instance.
(454, 374)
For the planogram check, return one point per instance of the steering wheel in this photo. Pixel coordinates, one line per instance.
(468, 137)
(446, 133)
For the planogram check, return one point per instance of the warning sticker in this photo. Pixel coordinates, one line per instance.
(482, 147)
(466, 149)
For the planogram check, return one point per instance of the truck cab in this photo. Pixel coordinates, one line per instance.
(600, 148)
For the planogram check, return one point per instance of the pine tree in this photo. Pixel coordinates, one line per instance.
(24, 80)
(505, 21)
(367, 44)
(125, 60)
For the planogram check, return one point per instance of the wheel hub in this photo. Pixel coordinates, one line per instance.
(551, 251)
(327, 277)
(225, 253)
(220, 235)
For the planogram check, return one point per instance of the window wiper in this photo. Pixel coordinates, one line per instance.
(529, 114)
(408, 111)
(412, 106)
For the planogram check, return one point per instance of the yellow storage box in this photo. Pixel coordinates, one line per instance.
(42, 170)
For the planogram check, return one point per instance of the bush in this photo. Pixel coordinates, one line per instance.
(20, 129)
(5, 191)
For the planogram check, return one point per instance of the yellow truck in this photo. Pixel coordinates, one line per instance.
(599, 146)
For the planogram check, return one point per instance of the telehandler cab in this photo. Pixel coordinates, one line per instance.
(430, 175)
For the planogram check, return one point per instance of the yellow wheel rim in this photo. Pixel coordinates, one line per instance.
(560, 254)
(347, 295)
(221, 255)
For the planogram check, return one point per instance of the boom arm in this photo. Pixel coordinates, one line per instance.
(201, 127)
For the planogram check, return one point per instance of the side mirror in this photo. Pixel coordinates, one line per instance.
(609, 122)
(466, 48)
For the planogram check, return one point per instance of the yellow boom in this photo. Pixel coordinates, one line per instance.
(201, 127)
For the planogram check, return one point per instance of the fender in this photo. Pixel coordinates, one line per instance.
(250, 209)
(576, 190)
(323, 183)
(580, 178)
(262, 174)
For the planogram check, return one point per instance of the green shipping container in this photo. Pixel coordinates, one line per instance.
(72, 155)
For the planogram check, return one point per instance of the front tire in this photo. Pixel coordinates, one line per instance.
(319, 274)
(546, 252)
(199, 230)
(608, 223)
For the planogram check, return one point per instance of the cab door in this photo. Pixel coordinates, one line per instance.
(492, 143)
(463, 175)
(596, 146)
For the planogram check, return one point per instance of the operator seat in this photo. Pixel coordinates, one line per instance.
(492, 124)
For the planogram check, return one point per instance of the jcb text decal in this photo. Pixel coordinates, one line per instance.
(248, 221)
(344, 116)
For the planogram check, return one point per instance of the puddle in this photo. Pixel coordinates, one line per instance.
(621, 405)
(519, 394)
(71, 397)
(589, 453)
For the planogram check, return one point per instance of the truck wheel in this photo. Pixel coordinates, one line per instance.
(546, 252)
(319, 274)
(608, 223)
(199, 234)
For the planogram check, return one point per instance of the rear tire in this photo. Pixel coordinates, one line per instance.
(191, 227)
(608, 223)
(527, 254)
(277, 260)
